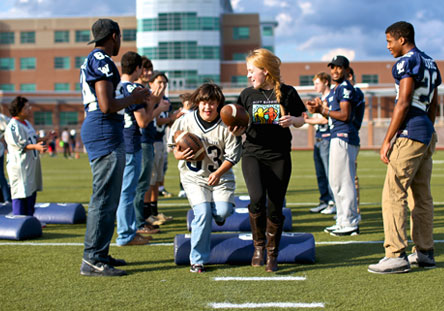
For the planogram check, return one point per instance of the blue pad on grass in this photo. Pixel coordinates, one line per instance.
(5, 208)
(232, 248)
(18, 227)
(60, 213)
(239, 221)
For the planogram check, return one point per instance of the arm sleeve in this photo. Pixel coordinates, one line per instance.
(15, 137)
(233, 147)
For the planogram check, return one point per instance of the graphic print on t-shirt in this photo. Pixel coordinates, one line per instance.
(266, 113)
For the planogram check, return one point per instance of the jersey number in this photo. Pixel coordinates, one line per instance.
(214, 154)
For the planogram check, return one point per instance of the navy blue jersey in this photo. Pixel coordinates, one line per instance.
(360, 109)
(323, 130)
(421, 67)
(343, 129)
(160, 129)
(131, 130)
(101, 133)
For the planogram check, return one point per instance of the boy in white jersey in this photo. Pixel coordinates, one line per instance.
(23, 164)
(209, 184)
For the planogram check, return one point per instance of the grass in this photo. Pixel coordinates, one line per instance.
(47, 277)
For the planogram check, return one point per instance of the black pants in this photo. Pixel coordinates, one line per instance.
(267, 179)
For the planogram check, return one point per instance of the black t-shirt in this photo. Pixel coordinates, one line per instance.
(266, 139)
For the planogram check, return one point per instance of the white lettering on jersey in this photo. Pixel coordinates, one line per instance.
(400, 67)
(346, 93)
(105, 70)
(99, 55)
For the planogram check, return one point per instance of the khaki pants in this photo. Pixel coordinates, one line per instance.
(407, 184)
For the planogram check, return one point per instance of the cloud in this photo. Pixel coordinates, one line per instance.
(350, 54)
(285, 23)
(306, 8)
(276, 3)
(236, 5)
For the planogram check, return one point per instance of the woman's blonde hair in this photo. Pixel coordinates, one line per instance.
(266, 60)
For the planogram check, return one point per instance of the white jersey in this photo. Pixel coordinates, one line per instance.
(23, 166)
(4, 120)
(219, 145)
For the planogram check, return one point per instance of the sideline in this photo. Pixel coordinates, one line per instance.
(226, 305)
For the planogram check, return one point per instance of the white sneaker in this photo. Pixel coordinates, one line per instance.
(319, 208)
(182, 194)
(342, 231)
(332, 228)
(390, 265)
(331, 209)
(422, 259)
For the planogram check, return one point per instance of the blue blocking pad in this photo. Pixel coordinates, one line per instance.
(5, 208)
(60, 213)
(239, 221)
(18, 227)
(232, 248)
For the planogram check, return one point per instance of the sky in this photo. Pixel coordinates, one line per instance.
(308, 30)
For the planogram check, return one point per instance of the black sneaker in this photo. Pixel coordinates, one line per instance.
(99, 269)
(116, 262)
(197, 268)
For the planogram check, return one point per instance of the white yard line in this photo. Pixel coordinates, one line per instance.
(255, 278)
(251, 305)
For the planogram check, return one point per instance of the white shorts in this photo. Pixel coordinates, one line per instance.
(198, 192)
(158, 162)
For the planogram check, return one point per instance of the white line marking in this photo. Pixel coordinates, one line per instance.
(227, 305)
(68, 244)
(256, 278)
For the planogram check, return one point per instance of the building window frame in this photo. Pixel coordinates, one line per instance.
(61, 36)
(62, 62)
(61, 87)
(82, 35)
(241, 33)
(28, 63)
(306, 80)
(43, 118)
(7, 37)
(7, 63)
(27, 37)
(370, 78)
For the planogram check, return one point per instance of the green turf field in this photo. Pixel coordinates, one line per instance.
(42, 277)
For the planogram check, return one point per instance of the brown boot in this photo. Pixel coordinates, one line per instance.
(274, 233)
(258, 223)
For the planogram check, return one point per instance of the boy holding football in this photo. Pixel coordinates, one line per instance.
(209, 183)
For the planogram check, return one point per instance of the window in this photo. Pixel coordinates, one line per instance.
(61, 87)
(239, 56)
(82, 35)
(61, 36)
(7, 63)
(43, 118)
(181, 50)
(78, 87)
(27, 63)
(306, 80)
(27, 87)
(129, 34)
(68, 118)
(78, 61)
(240, 33)
(27, 37)
(61, 63)
(7, 87)
(239, 80)
(6, 38)
(371, 79)
(179, 21)
(267, 31)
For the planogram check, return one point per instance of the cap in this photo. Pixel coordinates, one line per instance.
(157, 73)
(102, 28)
(339, 60)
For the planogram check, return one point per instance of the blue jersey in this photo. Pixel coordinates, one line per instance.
(360, 109)
(343, 129)
(419, 66)
(131, 130)
(323, 130)
(160, 129)
(101, 133)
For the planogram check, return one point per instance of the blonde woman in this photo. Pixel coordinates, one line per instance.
(266, 163)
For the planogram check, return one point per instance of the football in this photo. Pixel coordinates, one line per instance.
(234, 115)
(185, 140)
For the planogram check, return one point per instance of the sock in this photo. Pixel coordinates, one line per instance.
(147, 210)
(153, 206)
